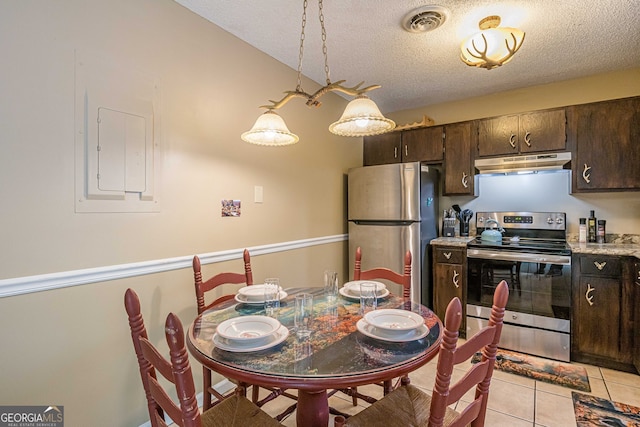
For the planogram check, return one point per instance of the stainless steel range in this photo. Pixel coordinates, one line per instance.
(533, 257)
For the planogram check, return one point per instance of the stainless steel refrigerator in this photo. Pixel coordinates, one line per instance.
(391, 209)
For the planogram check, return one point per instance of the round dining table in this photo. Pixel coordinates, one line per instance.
(337, 355)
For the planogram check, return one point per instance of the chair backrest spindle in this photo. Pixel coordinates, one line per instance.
(403, 279)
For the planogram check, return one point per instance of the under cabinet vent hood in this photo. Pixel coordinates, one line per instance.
(534, 162)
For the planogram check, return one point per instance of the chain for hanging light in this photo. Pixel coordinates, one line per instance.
(367, 119)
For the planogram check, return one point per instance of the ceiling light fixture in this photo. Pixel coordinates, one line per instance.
(493, 46)
(361, 117)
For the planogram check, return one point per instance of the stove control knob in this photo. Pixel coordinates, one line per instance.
(559, 220)
(549, 220)
(480, 219)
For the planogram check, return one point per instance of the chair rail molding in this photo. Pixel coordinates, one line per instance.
(45, 282)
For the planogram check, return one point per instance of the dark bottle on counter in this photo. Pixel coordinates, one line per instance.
(601, 231)
(591, 227)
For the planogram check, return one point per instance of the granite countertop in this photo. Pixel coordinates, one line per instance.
(452, 241)
(620, 245)
(617, 244)
(621, 249)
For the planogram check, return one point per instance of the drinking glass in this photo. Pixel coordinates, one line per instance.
(331, 285)
(368, 297)
(271, 296)
(303, 315)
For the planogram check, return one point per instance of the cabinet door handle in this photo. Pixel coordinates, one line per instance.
(455, 279)
(395, 152)
(465, 181)
(512, 140)
(527, 139)
(588, 295)
(599, 265)
(406, 150)
(447, 255)
(586, 176)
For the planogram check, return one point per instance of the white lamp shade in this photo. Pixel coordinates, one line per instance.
(361, 118)
(500, 44)
(271, 130)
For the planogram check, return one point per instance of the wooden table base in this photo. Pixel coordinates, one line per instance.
(313, 408)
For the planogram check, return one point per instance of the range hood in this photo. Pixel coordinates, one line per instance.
(534, 162)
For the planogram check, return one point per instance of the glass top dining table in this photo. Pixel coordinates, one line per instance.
(336, 355)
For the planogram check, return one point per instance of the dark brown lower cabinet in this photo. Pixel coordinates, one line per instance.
(602, 313)
(449, 280)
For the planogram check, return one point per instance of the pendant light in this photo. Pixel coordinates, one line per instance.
(361, 117)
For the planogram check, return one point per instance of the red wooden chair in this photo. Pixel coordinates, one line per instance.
(379, 273)
(218, 280)
(408, 405)
(234, 411)
(202, 287)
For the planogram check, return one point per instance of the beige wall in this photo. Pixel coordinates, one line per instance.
(71, 346)
(618, 84)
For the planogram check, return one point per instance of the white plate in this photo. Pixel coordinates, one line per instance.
(354, 286)
(276, 338)
(345, 293)
(394, 321)
(248, 329)
(253, 292)
(373, 332)
(242, 299)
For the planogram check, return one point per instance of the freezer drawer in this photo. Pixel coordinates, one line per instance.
(385, 246)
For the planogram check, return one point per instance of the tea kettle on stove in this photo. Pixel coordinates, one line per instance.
(492, 234)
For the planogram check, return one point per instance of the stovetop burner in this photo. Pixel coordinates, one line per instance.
(524, 244)
(537, 232)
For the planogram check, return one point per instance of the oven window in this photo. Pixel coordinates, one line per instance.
(534, 288)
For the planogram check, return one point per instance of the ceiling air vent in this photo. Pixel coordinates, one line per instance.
(424, 19)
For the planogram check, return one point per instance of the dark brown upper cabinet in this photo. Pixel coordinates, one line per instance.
(534, 132)
(458, 163)
(415, 145)
(606, 137)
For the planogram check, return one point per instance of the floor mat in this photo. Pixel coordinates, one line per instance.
(537, 368)
(594, 411)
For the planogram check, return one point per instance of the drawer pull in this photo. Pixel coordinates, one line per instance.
(599, 265)
(588, 295)
(447, 255)
(455, 279)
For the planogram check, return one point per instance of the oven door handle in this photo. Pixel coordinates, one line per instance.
(518, 256)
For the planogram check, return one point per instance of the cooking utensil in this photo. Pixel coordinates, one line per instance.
(492, 234)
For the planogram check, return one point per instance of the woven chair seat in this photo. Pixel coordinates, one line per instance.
(237, 411)
(407, 406)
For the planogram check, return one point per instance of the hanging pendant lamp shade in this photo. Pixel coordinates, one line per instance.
(362, 117)
(270, 129)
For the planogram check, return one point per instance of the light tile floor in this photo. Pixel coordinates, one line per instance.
(514, 401)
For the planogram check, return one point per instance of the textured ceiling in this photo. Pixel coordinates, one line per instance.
(564, 39)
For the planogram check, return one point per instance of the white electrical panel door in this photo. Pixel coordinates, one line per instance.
(117, 136)
(121, 151)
